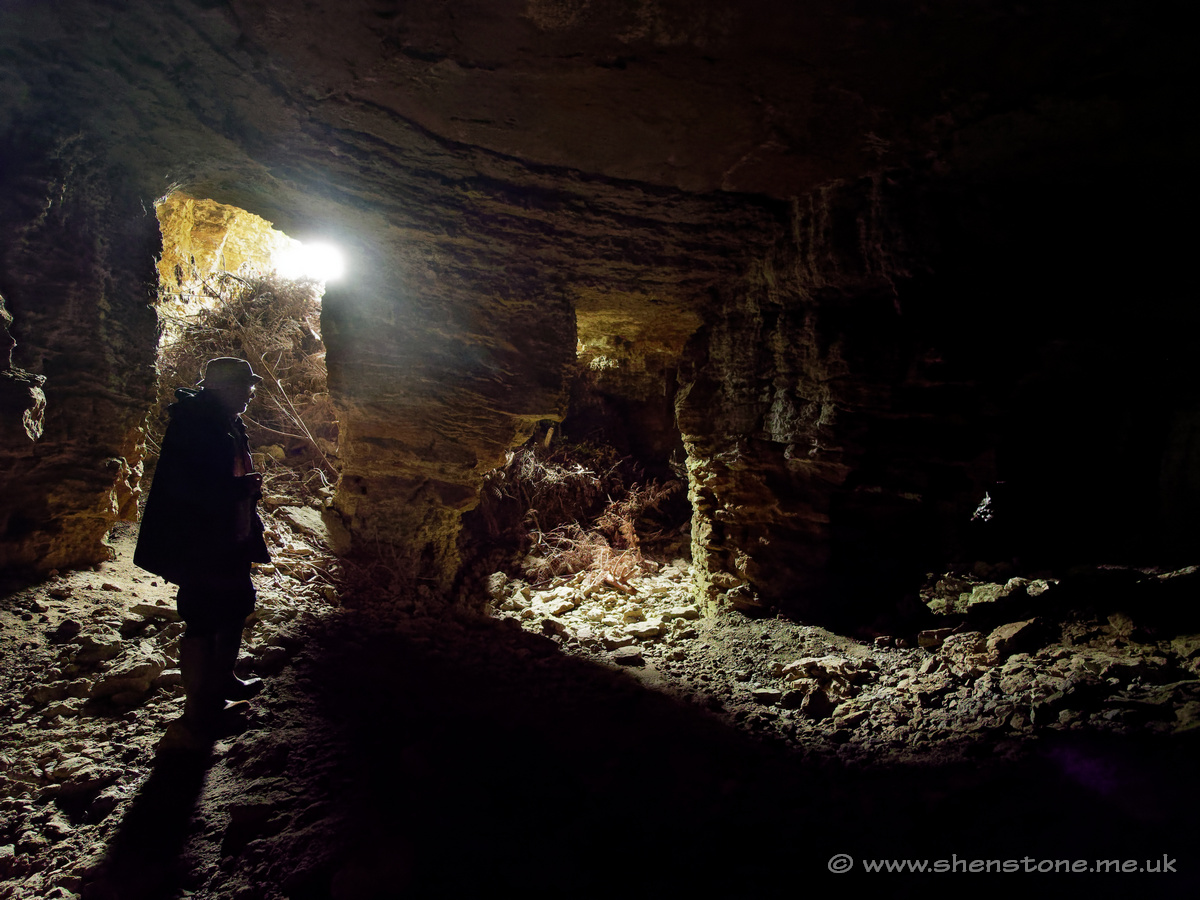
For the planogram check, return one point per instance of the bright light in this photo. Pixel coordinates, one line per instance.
(320, 262)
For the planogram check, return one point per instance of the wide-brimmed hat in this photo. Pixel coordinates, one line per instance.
(228, 370)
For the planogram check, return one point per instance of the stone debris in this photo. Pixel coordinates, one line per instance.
(146, 611)
(87, 692)
(496, 584)
(647, 630)
(681, 612)
(65, 631)
(135, 675)
(313, 525)
(882, 698)
(1007, 639)
(615, 641)
(89, 689)
(932, 638)
(951, 595)
(97, 646)
(555, 606)
(600, 613)
(742, 599)
(966, 654)
(766, 696)
(627, 656)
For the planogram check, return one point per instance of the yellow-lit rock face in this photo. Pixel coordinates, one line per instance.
(203, 237)
(629, 340)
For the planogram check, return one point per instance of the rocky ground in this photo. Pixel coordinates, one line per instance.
(1011, 661)
(590, 735)
(90, 682)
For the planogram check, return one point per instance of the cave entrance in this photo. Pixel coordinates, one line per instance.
(231, 285)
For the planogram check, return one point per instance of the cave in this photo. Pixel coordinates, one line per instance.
(758, 441)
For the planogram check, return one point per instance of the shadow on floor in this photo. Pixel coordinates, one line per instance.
(482, 759)
(144, 859)
(461, 759)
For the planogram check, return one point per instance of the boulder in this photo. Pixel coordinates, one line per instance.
(1014, 637)
(966, 654)
(987, 599)
(932, 638)
(766, 696)
(627, 656)
(99, 646)
(644, 631)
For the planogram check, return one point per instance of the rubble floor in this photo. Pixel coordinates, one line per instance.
(586, 738)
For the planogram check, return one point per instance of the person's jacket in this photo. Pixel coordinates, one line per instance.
(200, 518)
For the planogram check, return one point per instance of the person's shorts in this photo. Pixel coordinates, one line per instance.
(216, 603)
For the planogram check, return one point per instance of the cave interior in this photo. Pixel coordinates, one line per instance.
(894, 292)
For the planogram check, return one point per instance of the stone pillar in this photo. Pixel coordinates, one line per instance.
(436, 374)
(758, 410)
(807, 407)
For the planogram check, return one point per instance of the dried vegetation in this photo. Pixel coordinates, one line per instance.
(274, 323)
(580, 508)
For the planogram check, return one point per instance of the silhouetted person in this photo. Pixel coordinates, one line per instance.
(201, 530)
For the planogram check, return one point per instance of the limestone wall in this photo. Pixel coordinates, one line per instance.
(202, 237)
(77, 272)
(775, 390)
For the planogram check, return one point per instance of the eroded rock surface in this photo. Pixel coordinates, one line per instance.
(869, 261)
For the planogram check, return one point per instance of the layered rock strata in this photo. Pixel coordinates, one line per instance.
(512, 180)
(22, 401)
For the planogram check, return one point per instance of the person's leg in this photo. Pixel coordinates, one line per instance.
(237, 603)
(228, 644)
(205, 609)
(197, 657)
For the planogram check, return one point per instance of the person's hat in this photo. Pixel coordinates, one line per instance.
(228, 370)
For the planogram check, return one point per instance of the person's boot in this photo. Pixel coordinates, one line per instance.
(228, 645)
(206, 715)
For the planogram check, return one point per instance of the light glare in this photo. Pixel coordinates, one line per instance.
(320, 262)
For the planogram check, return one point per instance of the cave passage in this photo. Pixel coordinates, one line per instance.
(231, 285)
(597, 499)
